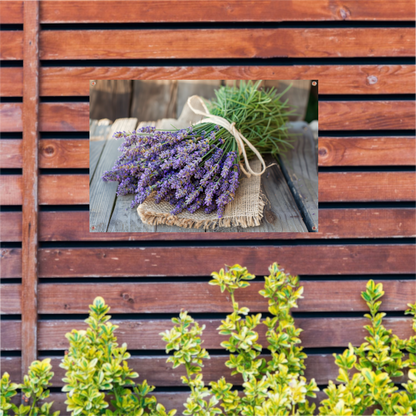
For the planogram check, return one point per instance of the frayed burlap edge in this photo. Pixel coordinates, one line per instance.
(152, 218)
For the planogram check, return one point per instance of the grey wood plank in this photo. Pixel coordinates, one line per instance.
(301, 172)
(98, 139)
(281, 213)
(203, 88)
(153, 100)
(126, 219)
(110, 99)
(103, 194)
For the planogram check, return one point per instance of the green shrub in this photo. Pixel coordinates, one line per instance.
(98, 380)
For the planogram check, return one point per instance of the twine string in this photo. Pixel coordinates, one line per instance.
(240, 139)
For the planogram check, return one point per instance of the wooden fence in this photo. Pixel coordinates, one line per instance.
(52, 266)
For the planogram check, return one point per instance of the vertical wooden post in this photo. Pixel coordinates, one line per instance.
(30, 182)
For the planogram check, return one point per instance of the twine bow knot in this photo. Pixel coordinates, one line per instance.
(240, 139)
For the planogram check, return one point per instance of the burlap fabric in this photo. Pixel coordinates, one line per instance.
(246, 210)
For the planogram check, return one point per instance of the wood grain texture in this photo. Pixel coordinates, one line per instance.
(11, 189)
(11, 263)
(144, 334)
(11, 12)
(199, 297)
(226, 43)
(11, 48)
(157, 372)
(11, 226)
(333, 79)
(63, 153)
(333, 223)
(11, 299)
(219, 11)
(300, 169)
(367, 115)
(333, 187)
(64, 117)
(103, 193)
(201, 261)
(63, 189)
(367, 151)
(11, 79)
(11, 336)
(11, 153)
(30, 183)
(333, 115)
(11, 117)
(391, 186)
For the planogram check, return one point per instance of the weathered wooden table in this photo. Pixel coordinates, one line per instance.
(291, 187)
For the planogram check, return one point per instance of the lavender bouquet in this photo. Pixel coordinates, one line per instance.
(199, 167)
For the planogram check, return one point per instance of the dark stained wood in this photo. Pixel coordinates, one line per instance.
(11, 295)
(11, 117)
(11, 226)
(64, 153)
(63, 189)
(333, 223)
(63, 117)
(198, 297)
(11, 12)
(230, 11)
(11, 189)
(11, 48)
(366, 115)
(333, 115)
(340, 79)
(11, 336)
(226, 43)
(201, 261)
(30, 183)
(367, 151)
(144, 334)
(351, 186)
(11, 153)
(11, 79)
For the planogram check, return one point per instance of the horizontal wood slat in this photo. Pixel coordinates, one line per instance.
(11, 335)
(206, 11)
(11, 299)
(11, 47)
(367, 186)
(64, 116)
(64, 153)
(333, 151)
(11, 262)
(11, 153)
(333, 187)
(333, 115)
(11, 79)
(333, 223)
(366, 115)
(11, 226)
(340, 79)
(53, 189)
(201, 261)
(157, 372)
(11, 117)
(199, 297)
(144, 334)
(11, 12)
(226, 43)
(367, 151)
